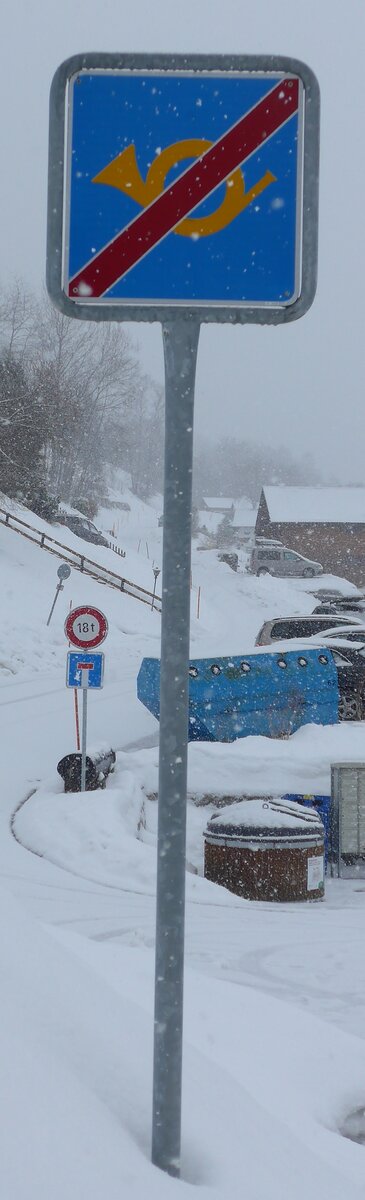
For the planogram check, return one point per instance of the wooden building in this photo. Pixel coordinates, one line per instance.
(324, 523)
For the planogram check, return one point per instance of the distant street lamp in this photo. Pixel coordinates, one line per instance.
(156, 572)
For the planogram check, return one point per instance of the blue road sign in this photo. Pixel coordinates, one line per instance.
(133, 137)
(84, 669)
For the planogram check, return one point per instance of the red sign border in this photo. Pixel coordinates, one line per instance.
(89, 611)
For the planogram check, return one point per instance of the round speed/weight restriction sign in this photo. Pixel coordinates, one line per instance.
(86, 627)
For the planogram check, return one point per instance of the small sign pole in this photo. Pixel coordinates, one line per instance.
(76, 704)
(85, 684)
(180, 349)
(63, 573)
(77, 723)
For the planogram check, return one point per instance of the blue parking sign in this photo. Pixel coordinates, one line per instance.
(183, 187)
(84, 670)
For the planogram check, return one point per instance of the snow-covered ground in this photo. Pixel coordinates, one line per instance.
(274, 1051)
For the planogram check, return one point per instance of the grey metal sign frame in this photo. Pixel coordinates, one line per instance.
(57, 199)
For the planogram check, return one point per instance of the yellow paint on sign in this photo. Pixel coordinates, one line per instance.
(123, 173)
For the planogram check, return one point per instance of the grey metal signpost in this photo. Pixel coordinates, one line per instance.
(85, 683)
(180, 351)
(251, 127)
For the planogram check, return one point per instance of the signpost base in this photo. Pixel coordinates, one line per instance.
(180, 338)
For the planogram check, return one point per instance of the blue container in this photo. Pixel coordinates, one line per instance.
(322, 804)
(268, 693)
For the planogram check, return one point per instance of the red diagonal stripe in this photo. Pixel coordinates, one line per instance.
(193, 186)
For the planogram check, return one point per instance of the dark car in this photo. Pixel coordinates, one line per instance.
(342, 606)
(349, 658)
(83, 528)
(350, 663)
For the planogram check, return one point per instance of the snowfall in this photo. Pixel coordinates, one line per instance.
(274, 1003)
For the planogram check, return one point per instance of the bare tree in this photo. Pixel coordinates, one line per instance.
(87, 400)
(87, 377)
(145, 439)
(21, 432)
(16, 320)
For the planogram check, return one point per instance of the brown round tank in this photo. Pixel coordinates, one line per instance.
(266, 849)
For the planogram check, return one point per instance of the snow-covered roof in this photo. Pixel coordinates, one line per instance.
(244, 515)
(209, 520)
(316, 504)
(221, 502)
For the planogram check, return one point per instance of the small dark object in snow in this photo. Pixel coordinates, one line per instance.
(354, 1126)
(98, 766)
(230, 559)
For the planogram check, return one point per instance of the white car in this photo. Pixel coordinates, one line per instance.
(282, 628)
(282, 562)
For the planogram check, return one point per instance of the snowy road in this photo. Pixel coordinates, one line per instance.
(78, 923)
(310, 955)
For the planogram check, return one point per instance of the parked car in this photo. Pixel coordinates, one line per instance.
(325, 593)
(352, 633)
(282, 628)
(349, 658)
(342, 605)
(279, 560)
(83, 528)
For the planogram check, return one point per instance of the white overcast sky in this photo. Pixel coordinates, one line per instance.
(301, 385)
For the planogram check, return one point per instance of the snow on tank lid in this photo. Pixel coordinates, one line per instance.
(265, 812)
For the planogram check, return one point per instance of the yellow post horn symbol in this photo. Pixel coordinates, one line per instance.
(123, 173)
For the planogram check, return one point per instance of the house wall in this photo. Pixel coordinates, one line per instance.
(263, 523)
(339, 547)
(210, 508)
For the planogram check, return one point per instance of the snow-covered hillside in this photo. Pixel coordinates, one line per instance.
(271, 1067)
(231, 607)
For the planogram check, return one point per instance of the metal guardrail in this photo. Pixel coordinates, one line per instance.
(80, 562)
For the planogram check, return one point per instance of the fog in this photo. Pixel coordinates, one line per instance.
(299, 385)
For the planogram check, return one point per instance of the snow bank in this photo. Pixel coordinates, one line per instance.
(266, 814)
(259, 766)
(264, 1088)
(267, 1083)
